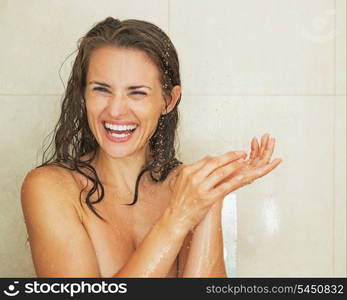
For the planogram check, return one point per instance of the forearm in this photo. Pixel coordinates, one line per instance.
(206, 257)
(157, 252)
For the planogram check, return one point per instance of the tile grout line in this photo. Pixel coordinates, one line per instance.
(334, 146)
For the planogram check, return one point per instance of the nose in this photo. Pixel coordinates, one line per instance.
(118, 106)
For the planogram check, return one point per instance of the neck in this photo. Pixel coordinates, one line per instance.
(121, 173)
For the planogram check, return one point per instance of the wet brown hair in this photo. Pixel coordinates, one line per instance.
(72, 137)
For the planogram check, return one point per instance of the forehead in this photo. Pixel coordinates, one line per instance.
(114, 64)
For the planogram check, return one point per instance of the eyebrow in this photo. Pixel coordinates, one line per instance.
(133, 87)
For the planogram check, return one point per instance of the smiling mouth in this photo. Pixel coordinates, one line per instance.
(120, 131)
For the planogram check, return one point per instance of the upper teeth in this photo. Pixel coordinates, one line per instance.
(120, 127)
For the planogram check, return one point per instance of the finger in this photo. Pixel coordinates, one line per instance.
(261, 171)
(213, 163)
(198, 164)
(191, 168)
(268, 168)
(227, 187)
(221, 174)
(268, 151)
(243, 179)
(264, 140)
(195, 167)
(254, 148)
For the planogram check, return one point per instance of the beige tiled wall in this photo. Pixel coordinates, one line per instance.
(247, 67)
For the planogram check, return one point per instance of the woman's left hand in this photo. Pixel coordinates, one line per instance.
(258, 164)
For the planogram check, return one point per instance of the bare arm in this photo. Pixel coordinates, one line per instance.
(206, 257)
(203, 255)
(157, 252)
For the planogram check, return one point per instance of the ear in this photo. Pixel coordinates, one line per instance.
(175, 95)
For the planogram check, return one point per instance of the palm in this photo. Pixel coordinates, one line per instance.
(258, 164)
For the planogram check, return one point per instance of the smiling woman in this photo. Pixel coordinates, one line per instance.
(122, 81)
(117, 125)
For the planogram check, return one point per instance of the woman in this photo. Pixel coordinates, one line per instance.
(112, 200)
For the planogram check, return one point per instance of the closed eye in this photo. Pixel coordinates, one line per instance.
(101, 89)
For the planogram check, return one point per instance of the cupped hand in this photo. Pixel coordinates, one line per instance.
(257, 165)
(200, 185)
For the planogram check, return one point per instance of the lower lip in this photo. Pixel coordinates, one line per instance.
(119, 139)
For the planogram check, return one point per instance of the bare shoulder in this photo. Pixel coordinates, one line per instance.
(48, 172)
(49, 177)
(53, 221)
(48, 185)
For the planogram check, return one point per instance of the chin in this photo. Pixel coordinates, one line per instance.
(117, 153)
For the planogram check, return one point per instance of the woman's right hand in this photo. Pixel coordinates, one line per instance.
(199, 185)
(193, 191)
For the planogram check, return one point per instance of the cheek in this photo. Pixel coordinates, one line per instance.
(93, 112)
(94, 107)
(148, 115)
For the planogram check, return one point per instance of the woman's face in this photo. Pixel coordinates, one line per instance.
(122, 88)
